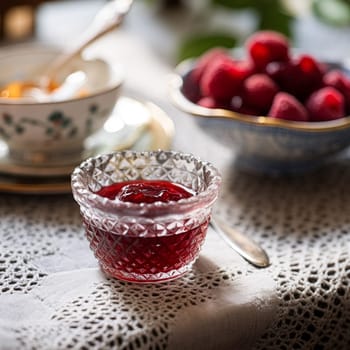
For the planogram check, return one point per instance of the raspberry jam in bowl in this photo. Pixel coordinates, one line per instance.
(145, 213)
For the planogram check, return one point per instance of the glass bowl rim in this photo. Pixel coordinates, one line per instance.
(86, 198)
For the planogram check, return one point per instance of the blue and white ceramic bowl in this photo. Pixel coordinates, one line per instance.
(264, 144)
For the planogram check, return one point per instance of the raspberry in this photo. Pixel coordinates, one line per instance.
(243, 69)
(286, 106)
(223, 78)
(309, 66)
(206, 60)
(338, 80)
(311, 72)
(259, 91)
(335, 78)
(299, 77)
(191, 82)
(190, 88)
(326, 104)
(267, 46)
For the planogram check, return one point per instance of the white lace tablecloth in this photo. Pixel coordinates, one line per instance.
(53, 295)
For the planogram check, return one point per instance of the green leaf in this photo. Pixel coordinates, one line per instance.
(271, 14)
(334, 12)
(275, 19)
(197, 45)
(236, 4)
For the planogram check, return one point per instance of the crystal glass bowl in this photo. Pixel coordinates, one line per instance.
(145, 242)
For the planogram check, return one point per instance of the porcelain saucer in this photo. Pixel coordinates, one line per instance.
(132, 125)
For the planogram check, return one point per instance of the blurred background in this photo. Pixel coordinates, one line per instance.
(182, 28)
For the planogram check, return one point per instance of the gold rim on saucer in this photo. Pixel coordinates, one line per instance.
(153, 122)
(32, 185)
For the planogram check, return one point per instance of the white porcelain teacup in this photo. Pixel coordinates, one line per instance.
(54, 132)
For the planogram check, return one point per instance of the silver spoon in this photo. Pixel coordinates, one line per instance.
(244, 246)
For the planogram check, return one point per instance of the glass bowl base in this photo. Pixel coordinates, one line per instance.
(159, 277)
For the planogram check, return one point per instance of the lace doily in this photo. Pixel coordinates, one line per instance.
(53, 295)
(304, 224)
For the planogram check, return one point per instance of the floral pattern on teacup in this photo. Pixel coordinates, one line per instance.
(57, 125)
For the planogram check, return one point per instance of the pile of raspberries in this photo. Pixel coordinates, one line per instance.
(269, 82)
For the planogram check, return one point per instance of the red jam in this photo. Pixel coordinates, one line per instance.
(145, 191)
(126, 256)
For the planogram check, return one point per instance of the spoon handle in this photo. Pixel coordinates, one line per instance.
(243, 245)
(108, 18)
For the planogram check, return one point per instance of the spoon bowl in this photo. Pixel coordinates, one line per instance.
(69, 89)
(246, 247)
